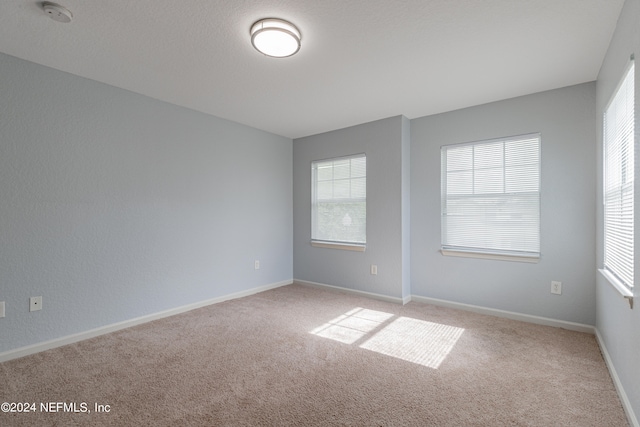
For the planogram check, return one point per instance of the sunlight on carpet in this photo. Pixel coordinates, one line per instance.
(412, 340)
(352, 326)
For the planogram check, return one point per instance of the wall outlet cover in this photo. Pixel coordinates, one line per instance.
(35, 303)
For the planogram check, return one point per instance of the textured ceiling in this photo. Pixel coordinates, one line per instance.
(361, 60)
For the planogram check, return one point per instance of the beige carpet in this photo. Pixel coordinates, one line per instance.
(300, 356)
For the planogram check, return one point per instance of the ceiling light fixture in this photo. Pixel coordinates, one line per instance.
(57, 12)
(275, 37)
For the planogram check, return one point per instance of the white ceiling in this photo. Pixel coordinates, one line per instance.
(361, 60)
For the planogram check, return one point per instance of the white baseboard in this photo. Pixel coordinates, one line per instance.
(460, 306)
(633, 420)
(387, 298)
(70, 339)
(579, 327)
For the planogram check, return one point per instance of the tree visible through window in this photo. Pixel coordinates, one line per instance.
(339, 200)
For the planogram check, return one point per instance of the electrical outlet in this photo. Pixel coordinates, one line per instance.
(35, 303)
(556, 288)
(256, 264)
(1, 308)
(374, 269)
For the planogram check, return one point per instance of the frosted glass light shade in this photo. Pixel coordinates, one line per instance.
(275, 37)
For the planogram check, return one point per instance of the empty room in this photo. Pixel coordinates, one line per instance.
(319, 213)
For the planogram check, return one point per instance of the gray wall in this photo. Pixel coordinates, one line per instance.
(114, 205)
(619, 327)
(564, 117)
(382, 142)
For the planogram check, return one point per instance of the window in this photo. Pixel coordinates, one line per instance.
(339, 202)
(491, 198)
(618, 182)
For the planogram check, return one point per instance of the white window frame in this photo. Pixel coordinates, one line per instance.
(618, 186)
(461, 245)
(337, 243)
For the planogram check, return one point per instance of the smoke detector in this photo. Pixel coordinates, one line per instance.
(57, 12)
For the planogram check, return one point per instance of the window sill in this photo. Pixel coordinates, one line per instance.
(615, 283)
(491, 255)
(343, 246)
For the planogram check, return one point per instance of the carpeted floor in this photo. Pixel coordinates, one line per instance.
(301, 356)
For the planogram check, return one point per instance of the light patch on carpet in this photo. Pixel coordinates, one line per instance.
(412, 340)
(416, 341)
(352, 326)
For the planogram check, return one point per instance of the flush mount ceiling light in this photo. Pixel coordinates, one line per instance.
(275, 37)
(57, 12)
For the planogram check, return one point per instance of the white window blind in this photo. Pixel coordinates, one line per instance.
(339, 200)
(618, 181)
(491, 196)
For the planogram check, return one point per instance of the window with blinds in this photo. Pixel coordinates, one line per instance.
(618, 181)
(491, 197)
(339, 200)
